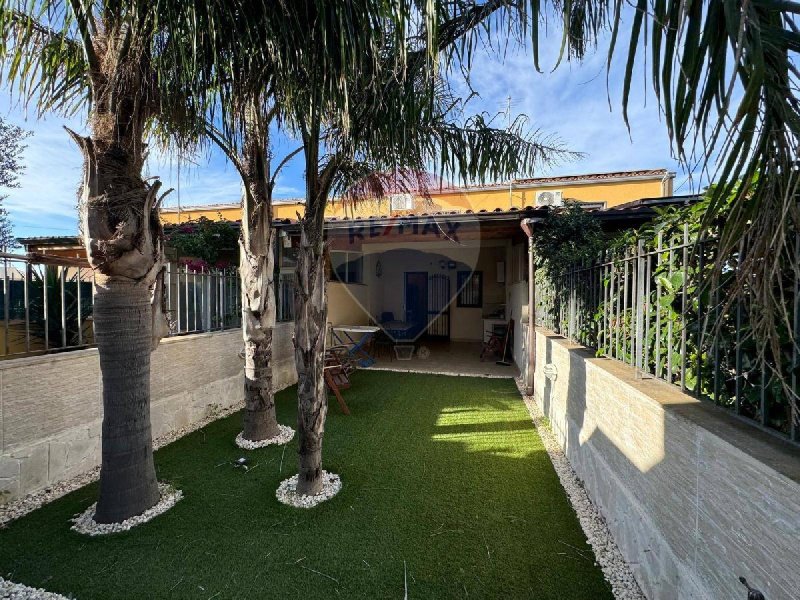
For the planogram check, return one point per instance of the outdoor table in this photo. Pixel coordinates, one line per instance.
(397, 329)
(343, 334)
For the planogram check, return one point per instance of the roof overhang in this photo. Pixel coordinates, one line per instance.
(53, 242)
(639, 210)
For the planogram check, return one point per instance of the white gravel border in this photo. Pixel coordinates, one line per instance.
(284, 437)
(511, 375)
(85, 523)
(287, 491)
(22, 506)
(607, 554)
(18, 591)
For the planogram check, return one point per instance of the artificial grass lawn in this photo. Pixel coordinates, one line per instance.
(444, 477)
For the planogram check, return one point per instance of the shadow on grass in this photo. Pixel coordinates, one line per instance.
(444, 475)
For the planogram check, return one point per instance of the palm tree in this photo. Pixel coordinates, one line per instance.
(257, 262)
(399, 114)
(102, 54)
(110, 57)
(133, 64)
(243, 84)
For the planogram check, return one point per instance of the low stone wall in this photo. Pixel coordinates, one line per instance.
(695, 498)
(51, 406)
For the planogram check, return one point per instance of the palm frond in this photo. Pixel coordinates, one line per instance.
(725, 76)
(417, 125)
(41, 56)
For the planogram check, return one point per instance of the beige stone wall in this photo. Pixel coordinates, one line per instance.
(694, 497)
(51, 406)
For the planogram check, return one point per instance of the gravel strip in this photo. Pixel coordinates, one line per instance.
(22, 506)
(284, 437)
(287, 491)
(17, 591)
(607, 555)
(448, 373)
(85, 523)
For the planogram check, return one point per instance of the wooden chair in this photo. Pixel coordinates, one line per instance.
(337, 376)
(340, 354)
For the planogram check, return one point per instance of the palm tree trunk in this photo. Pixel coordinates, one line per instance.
(257, 271)
(311, 310)
(258, 312)
(123, 332)
(123, 239)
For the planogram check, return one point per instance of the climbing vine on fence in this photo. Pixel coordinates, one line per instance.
(566, 237)
(651, 297)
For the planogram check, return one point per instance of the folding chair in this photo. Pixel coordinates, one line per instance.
(341, 352)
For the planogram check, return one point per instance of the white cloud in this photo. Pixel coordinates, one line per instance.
(45, 203)
(206, 180)
(46, 199)
(573, 104)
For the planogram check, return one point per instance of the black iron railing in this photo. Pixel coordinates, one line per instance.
(651, 305)
(46, 303)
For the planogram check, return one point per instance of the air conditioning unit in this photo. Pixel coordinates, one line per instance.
(549, 198)
(401, 202)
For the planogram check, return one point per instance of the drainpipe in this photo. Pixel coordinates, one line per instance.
(530, 343)
(665, 184)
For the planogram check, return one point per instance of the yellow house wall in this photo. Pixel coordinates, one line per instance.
(612, 193)
(228, 213)
(346, 300)
(225, 214)
(287, 211)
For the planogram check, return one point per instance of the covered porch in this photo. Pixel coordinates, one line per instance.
(435, 287)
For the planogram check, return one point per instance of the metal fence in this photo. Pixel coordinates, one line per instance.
(47, 303)
(286, 284)
(202, 300)
(650, 306)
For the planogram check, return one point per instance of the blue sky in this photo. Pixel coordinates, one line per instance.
(571, 102)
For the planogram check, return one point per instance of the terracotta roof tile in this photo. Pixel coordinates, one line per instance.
(592, 176)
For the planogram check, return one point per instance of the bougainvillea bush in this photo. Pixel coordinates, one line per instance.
(204, 244)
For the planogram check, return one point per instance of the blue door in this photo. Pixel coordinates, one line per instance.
(416, 302)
